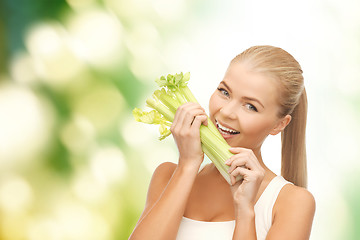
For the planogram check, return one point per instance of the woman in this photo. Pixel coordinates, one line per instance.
(262, 93)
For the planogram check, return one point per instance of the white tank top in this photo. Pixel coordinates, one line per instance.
(190, 229)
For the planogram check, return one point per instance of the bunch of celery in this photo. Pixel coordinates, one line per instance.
(173, 93)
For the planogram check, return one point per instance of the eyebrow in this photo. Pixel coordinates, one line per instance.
(254, 100)
(246, 98)
(226, 86)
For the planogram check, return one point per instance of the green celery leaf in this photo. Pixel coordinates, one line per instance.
(164, 131)
(161, 81)
(152, 117)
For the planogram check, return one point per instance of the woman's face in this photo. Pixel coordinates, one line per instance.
(244, 107)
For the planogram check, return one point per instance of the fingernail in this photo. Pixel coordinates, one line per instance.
(227, 161)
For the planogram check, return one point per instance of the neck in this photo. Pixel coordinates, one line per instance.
(268, 172)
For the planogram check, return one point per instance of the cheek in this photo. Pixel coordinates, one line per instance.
(255, 132)
(212, 104)
(259, 127)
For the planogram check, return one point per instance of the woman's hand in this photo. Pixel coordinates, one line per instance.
(244, 163)
(186, 132)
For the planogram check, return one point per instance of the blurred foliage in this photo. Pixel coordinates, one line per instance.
(71, 72)
(18, 15)
(352, 195)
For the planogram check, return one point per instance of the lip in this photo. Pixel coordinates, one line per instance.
(225, 135)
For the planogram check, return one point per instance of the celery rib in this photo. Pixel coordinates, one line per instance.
(165, 111)
(166, 103)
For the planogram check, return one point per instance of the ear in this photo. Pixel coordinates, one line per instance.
(281, 125)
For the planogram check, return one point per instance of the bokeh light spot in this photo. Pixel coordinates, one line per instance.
(44, 228)
(55, 61)
(15, 194)
(108, 165)
(25, 124)
(99, 34)
(101, 105)
(87, 188)
(78, 135)
(23, 69)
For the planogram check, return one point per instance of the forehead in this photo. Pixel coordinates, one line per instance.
(247, 83)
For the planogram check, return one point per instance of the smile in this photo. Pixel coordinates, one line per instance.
(225, 130)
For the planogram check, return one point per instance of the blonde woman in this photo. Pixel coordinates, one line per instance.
(261, 93)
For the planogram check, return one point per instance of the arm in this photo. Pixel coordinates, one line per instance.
(171, 185)
(245, 226)
(293, 211)
(165, 205)
(293, 214)
(245, 163)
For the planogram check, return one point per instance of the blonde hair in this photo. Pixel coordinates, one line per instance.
(281, 66)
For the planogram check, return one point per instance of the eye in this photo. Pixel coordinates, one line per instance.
(251, 107)
(223, 92)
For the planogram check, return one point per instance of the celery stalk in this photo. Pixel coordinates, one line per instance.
(188, 94)
(217, 164)
(191, 98)
(169, 101)
(165, 111)
(173, 93)
(217, 151)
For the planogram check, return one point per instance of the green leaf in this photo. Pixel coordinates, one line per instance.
(178, 78)
(173, 81)
(164, 131)
(152, 117)
(161, 81)
(186, 78)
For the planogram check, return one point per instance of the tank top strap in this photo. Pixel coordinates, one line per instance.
(264, 205)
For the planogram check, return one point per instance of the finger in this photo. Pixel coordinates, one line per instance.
(196, 106)
(178, 118)
(191, 105)
(246, 153)
(185, 111)
(190, 117)
(198, 120)
(232, 180)
(178, 121)
(236, 179)
(239, 174)
(237, 150)
(241, 162)
(206, 121)
(185, 116)
(192, 110)
(239, 171)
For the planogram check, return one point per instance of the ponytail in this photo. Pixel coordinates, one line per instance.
(293, 151)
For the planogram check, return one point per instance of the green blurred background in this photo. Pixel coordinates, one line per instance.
(73, 162)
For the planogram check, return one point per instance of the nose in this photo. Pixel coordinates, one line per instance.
(227, 110)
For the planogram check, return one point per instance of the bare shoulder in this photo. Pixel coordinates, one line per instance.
(293, 214)
(159, 180)
(163, 172)
(293, 196)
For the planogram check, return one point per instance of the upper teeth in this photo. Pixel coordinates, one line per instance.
(221, 127)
